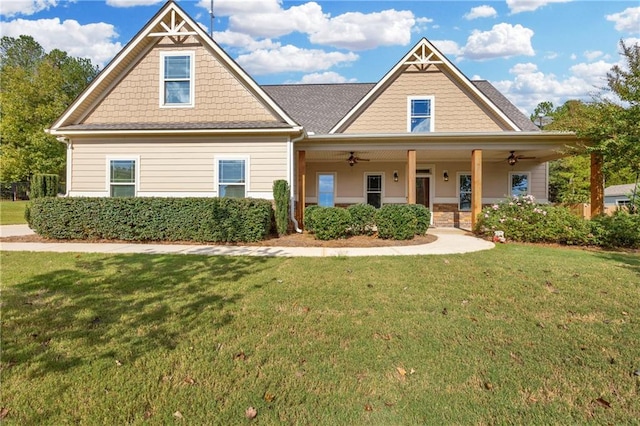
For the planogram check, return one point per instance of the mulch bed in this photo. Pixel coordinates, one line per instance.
(291, 240)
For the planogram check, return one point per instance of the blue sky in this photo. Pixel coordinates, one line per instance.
(531, 50)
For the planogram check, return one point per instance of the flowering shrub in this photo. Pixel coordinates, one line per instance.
(522, 219)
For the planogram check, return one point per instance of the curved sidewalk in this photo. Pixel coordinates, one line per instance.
(450, 241)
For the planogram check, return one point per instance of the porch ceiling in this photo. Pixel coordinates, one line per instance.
(542, 146)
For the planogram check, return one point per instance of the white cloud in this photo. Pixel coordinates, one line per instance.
(324, 78)
(233, 7)
(351, 30)
(93, 41)
(627, 20)
(592, 54)
(421, 25)
(481, 12)
(531, 86)
(517, 6)
(503, 41)
(305, 18)
(131, 3)
(243, 41)
(357, 31)
(291, 59)
(447, 47)
(25, 7)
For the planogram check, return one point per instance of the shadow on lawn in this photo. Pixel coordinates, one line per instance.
(627, 261)
(119, 307)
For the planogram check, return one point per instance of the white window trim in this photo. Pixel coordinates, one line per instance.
(216, 171)
(111, 158)
(192, 78)
(335, 186)
(433, 111)
(622, 202)
(382, 187)
(511, 182)
(458, 175)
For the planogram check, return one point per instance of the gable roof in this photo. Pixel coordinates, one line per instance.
(614, 190)
(319, 107)
(422, 55)
(169, 21)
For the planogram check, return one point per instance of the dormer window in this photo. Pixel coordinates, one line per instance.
(420, 114)
(177, 76)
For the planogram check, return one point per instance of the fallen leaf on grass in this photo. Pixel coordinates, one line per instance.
(269, 397)
(368, 407)
(240, 355)
(188, 380)
(4, 412)
(401, 371)
(147, 414)
(118, 363)
(251, 413)
(603, 402)
(178, 415)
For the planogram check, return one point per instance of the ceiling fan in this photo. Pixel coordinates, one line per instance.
(512, 159)
(353, 159)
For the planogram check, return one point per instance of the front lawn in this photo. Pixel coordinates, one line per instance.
(12, 212)
(518, 334)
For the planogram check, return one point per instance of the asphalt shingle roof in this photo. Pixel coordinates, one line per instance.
(319, 107)
(218, 125)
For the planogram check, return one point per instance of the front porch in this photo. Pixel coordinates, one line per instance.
(454, 175)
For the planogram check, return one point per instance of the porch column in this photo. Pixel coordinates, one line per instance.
(411, 176)
(476, 185)
(301, 182)
(597, 185)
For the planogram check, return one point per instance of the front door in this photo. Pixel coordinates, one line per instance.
(422, 191)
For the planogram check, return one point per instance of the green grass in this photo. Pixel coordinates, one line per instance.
(519, 334)
(12, 212)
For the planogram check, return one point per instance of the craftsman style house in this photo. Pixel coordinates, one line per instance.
(173, 115)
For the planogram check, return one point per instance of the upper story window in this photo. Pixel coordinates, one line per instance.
(177, 72)
(420, 114)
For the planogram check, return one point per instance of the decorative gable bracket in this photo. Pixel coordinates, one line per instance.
(176, 29)
(422, 58)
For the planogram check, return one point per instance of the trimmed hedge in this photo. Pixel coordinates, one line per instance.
(396, 222)
(152, 219)
(44, 185)
(362, 219)
(309, 215)
(331, 223)
(423, 217)
(621, 229)
(281, 199)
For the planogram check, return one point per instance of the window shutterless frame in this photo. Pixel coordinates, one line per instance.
(463, 191)
(519, 183)
(232, 176)
(374, 186)
(177, 79)
(420, 114)
(123, 176)
(326, 189)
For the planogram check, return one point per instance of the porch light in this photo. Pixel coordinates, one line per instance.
(446, 176)
(395, 175)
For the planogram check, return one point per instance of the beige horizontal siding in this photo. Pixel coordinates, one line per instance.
(219, 95)
(455, 108)
(175, 166)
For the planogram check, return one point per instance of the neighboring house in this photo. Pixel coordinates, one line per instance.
(174, 115)
(616, 196)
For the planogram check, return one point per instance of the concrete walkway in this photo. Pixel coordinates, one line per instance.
(450, 241)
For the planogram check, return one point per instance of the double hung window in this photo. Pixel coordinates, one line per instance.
(122, 178)
(177, 79)
(232, 178)
(420, 114)
(374, 190)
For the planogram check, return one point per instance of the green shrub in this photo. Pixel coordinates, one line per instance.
(522, 219)
(281, 198)
(423, 217)
(362, 219)
(622, 229)
(396, 221)
(152, 219)
(331, 223)
(308, 217)
(44, 185)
